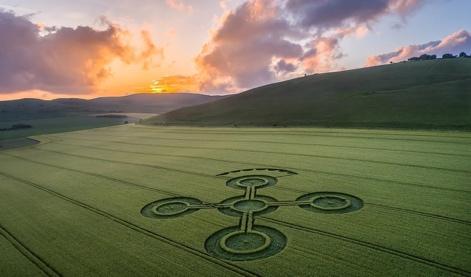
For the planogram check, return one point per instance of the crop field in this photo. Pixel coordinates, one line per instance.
(136, 200)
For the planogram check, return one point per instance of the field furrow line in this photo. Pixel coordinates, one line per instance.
(28, 253)
(270, 142)
(281, 132)
(94, 174)
(136, 228)
(370, 245)
(315, 135)
(285, 154)
(251, 163)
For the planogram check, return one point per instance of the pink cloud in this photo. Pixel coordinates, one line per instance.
(454, 43)
(179, 6)
(255, 43)
(63, 60)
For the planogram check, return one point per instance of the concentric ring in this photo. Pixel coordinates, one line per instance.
(236, 245)
(330, 202)
(170, 207)
(236, 206)
(254, 181)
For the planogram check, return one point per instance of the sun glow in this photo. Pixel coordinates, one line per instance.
(169, 84)
(156, 87)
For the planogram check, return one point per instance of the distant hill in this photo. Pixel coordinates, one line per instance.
(423, 94)
(136, 103)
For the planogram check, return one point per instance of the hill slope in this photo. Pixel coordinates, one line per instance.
(136, 103)
(425, 94)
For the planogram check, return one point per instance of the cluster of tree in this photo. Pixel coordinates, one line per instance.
(17, 127)
(426, 57)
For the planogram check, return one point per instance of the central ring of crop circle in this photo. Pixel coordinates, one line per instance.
(252, 205)
(236, 206)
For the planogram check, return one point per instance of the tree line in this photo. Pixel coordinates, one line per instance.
(426, 57)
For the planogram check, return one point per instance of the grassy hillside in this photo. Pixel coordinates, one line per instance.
(75, 205)
(425, 94)
(136, 103)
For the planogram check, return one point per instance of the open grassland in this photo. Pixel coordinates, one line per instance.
(72, 204)
(413, 95)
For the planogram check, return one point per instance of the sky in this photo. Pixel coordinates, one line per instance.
(92, 48)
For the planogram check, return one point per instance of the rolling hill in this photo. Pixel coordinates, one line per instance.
(424, 94)
(135, 103)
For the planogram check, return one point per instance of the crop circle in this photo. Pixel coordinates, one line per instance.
(236, 206)
(170, 207)
(253, 181)
(242, 242)
(236, 245)
(250, 205)
(330, 202)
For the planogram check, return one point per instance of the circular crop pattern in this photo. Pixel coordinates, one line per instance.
(252, 205)
(236, 245)
(236, 206)
(330, 202)
(252, 181)
(170, 207)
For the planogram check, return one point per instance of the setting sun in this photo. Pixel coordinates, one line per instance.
(156, 87)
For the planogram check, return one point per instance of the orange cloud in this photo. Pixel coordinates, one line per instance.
(62, 59)
(177, 83)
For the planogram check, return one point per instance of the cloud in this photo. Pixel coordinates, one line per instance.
(282, 66)
(176, 83)
(241, 51)
(454, 43)
(263, 40)
(63, 59)
(325, 14)
(179, 6)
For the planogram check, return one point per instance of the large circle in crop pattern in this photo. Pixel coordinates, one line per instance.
(330, 202)
(237, 245)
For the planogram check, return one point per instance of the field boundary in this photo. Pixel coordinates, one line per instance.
(40, 263)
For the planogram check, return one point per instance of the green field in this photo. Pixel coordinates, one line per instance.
(59, 124)
(135, 200)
